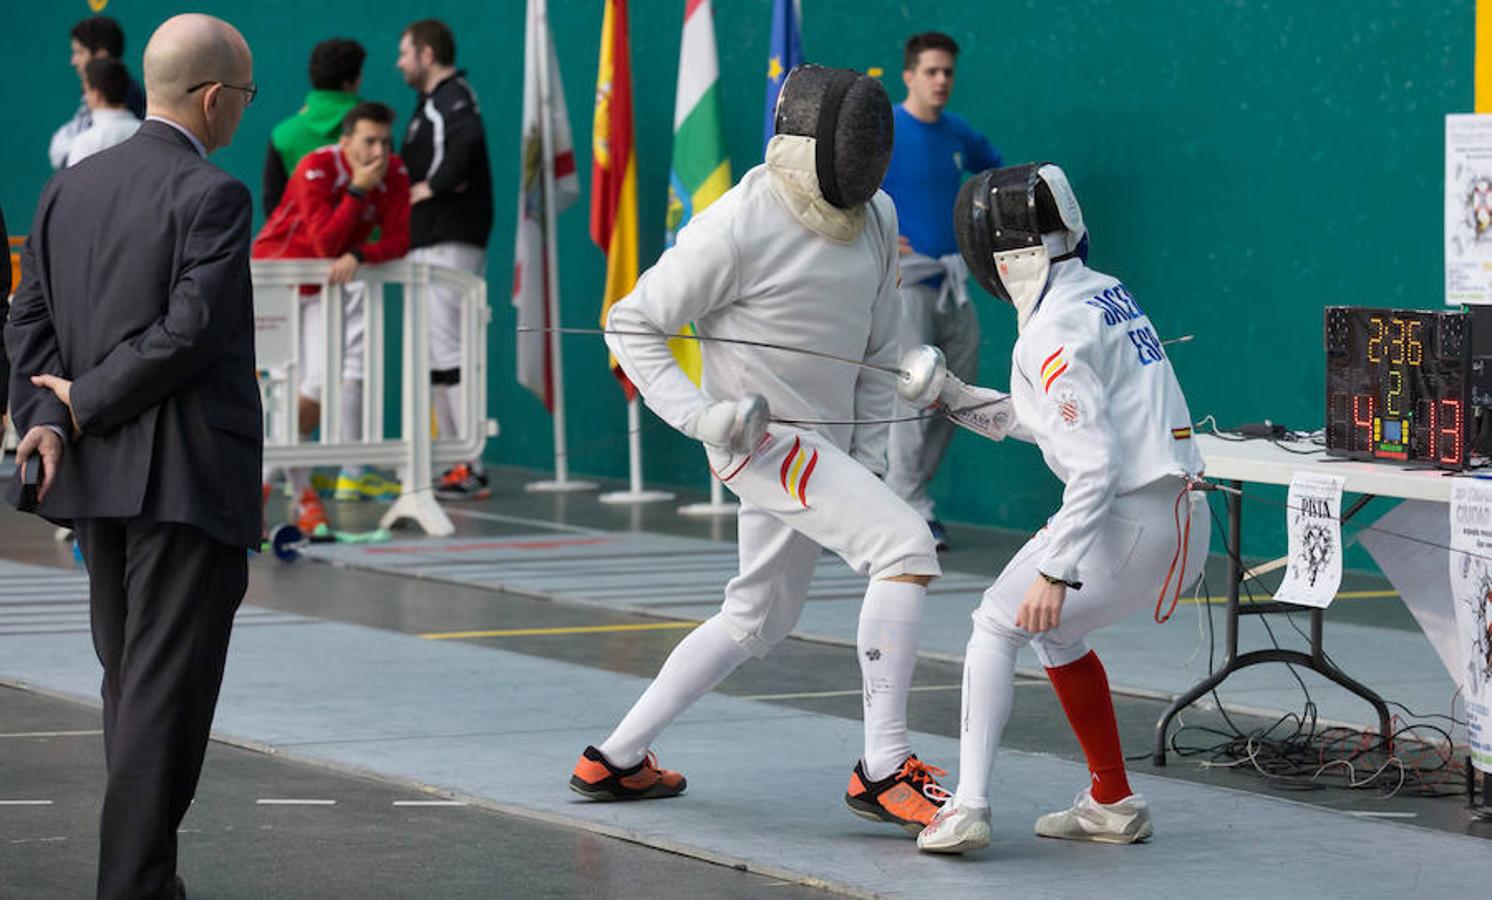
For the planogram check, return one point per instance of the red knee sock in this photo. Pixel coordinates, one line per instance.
(1083, 689)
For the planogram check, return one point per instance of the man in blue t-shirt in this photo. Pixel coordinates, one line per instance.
(933, 150)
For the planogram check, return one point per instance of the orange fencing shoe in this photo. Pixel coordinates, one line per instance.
(462, 482)
(597, 779)
(910, 797)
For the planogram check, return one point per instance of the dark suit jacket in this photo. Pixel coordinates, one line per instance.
(136, 286)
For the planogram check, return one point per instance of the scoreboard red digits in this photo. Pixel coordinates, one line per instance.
(1396, 384)
(1362, 416)
(1452, 427)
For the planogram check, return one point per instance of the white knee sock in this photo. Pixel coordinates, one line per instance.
(696, 665)
(445, 398)
(989, 689)
(890, 624)
(352, 409)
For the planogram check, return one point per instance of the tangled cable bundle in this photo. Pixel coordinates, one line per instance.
(1297, 752)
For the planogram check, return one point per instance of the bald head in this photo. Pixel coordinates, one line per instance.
(188, 50)
(199, 73)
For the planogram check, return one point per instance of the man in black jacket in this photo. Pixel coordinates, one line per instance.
(132, 340)
(445, 149)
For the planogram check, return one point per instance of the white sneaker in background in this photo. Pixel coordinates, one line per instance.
(1125, 822)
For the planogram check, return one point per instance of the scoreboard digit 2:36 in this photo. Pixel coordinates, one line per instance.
(1397, 383)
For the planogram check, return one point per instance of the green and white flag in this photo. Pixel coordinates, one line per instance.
(701, 170)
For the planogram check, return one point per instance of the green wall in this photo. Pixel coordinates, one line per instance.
(1241, 164)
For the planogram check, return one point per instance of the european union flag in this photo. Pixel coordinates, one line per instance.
(787, 51)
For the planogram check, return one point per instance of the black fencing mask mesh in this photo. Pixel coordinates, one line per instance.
(848, 114)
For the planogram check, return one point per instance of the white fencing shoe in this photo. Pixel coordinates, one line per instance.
(955, 829)
(1125, 822)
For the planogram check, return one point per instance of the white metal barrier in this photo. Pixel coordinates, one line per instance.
(412, 452)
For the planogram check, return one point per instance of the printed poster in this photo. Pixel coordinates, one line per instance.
(275, 311)
(1471, 589)
(1314, 523)
(1468, 209)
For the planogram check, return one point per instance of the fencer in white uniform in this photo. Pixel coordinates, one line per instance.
(1091, 385)
(801, 253)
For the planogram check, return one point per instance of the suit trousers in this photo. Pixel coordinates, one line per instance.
(163, 596)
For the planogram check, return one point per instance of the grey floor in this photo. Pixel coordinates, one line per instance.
(364, 846)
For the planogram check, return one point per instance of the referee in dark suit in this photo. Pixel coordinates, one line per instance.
(132, 348)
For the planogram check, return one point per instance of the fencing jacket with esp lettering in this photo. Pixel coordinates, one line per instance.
(1093, 388)
(446, 148)
(744, 268)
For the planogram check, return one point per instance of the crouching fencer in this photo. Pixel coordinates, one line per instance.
(800, 254)
(1092, 387)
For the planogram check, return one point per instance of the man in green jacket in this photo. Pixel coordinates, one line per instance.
(336, 77)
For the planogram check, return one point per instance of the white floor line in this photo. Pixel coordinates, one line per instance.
(49, 734)
(1382, 814)
(520, 520)
(45, 840)
(25, 803)
(428, 803)
(272, 801)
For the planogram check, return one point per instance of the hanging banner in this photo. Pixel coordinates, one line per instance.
(1471, 588)
(1314, 520)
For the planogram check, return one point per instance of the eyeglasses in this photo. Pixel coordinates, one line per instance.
(250, 90)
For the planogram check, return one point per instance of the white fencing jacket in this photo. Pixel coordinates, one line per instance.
(745, 268)
(1093, 388)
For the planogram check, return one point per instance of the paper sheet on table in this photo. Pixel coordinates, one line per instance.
(1314, 521)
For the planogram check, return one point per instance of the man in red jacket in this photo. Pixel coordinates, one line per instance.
(335, 200)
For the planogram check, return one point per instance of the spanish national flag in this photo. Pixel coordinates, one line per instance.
(614, 168)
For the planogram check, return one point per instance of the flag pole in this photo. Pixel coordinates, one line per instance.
(562, 483)
(635, 492)
(718, 506)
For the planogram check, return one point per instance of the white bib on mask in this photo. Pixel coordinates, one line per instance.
(790, 160)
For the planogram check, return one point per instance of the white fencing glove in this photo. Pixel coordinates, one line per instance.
(734, 425)
(982, 410)
(925, 381)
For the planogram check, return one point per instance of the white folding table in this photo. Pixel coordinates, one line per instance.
(1276, 462)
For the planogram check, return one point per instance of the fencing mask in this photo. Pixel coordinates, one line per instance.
(849, 117)
(1012, 224)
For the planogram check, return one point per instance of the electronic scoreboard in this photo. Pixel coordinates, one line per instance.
(1399, 385)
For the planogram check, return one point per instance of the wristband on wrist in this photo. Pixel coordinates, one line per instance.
(356, 192)
(1052, 579)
